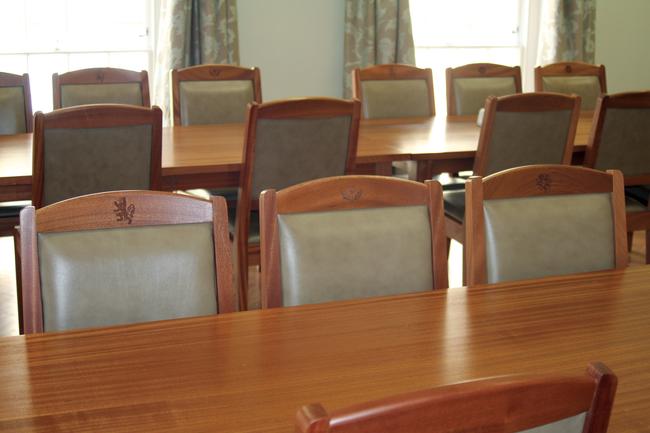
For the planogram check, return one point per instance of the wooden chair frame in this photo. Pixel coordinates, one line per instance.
(212, 72)
(101, 76)
(477, 406)
(392, 72)
(304, 108)
(12, 80)
(96, 211)
(359, 192)
(95, 116)
(525, 182)
(478, 70)
(570, 69)
(635, 220)
(524, 102)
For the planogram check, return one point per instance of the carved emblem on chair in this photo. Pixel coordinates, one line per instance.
(543, 182)
(100, 77)
(351, 194)
(124, 212)
(214, 72)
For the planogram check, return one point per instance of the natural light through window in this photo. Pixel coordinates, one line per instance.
(41, 37)
(454, 33)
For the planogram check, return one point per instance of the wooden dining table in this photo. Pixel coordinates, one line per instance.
(210, 156)
(251, 371)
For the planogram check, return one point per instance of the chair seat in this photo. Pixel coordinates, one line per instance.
(253, 230)
(639, 193)
(454, 202)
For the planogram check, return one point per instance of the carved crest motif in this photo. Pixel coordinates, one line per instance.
(214, 72)
(482, 70)
(122, 211)
(351, 194)
(100, 77)
(543, 182)
(568, 69)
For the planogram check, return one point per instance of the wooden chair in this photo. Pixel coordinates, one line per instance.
(583, 79)
(351, 237)
(15, 118)
(523, 129)
(620, 139)
(124, 257)
(468, 86)
(15, 104)
(535, 403)
(289, 142)
(544, 220)
(390, 91)
(101, 86)
(209, 94)
(94, 148)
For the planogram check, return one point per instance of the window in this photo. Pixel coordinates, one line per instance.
(454, 33)
(42, 37)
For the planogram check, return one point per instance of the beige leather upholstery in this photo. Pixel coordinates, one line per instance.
(84, 161)
(12, 110)
(327, 256)
(587, 87)
(126, 275)
(625, 141)
(574, 424)
(471, 93)
(80, 94)
(527, 138)
(395, 98)
(291, 151)
(210, 102)
(535, 237)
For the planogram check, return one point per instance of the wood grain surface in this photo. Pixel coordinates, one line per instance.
(251, 371)
(210, 156)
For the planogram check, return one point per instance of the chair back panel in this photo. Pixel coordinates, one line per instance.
(347, 254)
(161, 272)
(625, 141)
(80, 161)
(540, 236)
(12, 110)
(525, 138)
(471, 93)
(212, 102)
(110, 93)
(587, 87)
(291, 151)
(395, 98)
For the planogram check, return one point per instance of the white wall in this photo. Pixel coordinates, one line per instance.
(623, 43)
(297, 44)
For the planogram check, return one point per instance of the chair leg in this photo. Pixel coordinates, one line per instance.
(647, 247)
(19, 282)
(630, 237)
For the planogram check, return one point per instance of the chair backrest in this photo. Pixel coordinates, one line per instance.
(524, 129)
(468, 86)
(351, 237)
(288, 142)
(124, 257)
(101, 86)
(209, 94)
(15, 104)
(394, 91)
(543, 220)
(94, 148)
(530, 404)
(583, 79)
(620, 136)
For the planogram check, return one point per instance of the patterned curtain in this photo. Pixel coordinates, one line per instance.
(193, 32)
(568, 31)
(376, 32)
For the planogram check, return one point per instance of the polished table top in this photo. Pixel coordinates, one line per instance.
(249, 372)
(211, 155)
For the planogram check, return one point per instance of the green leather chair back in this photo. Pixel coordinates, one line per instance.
(126, 275)
(535, 237)
(80, 161)
(213, 102)
(12, 110)
(395, 98)
(108, 93)
(587, 87)
(471, 93)
(347, 254)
